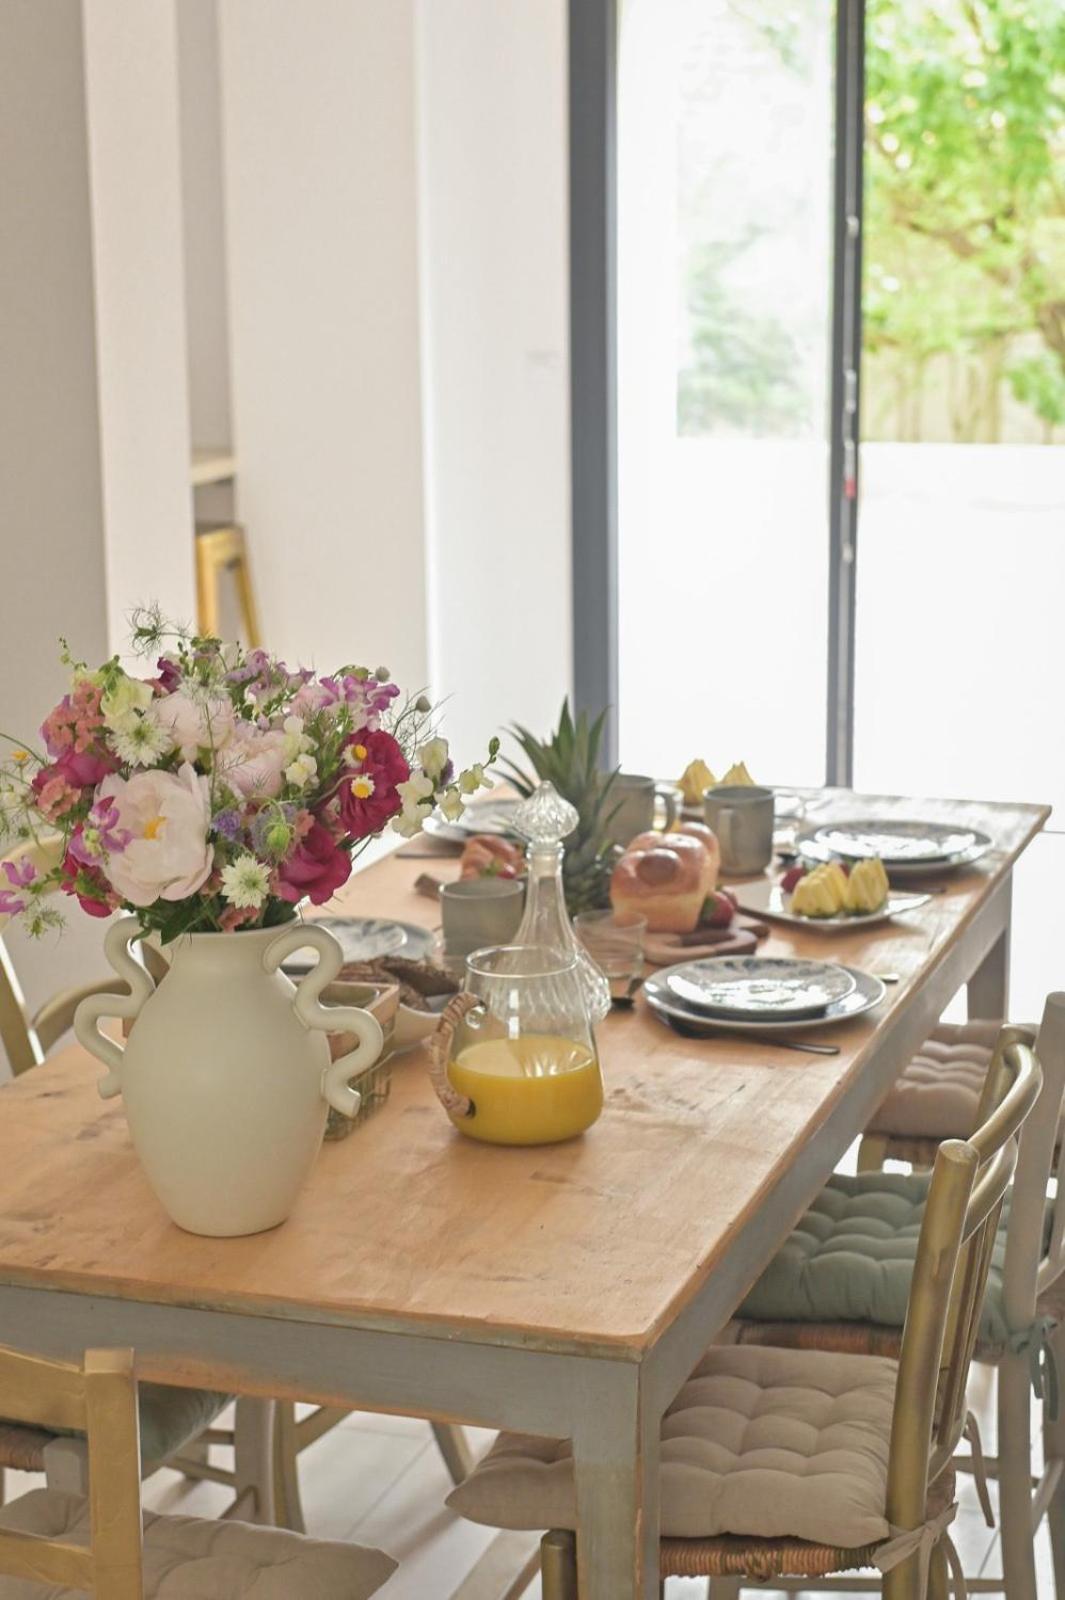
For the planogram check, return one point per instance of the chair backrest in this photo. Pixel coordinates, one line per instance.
(969, 1183)
(99, 1399)
(1035, 1253)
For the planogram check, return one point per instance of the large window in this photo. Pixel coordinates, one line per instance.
(725, 175)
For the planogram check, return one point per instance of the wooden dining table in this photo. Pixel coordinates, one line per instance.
(565, 1291)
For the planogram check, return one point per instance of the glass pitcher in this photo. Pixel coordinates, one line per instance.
(516, 1061)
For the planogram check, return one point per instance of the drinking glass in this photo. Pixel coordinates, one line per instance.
(614, 940)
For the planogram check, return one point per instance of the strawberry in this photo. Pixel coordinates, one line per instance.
(792, 877)
(719, 909)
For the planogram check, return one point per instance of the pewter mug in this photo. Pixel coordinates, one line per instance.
(742, 817)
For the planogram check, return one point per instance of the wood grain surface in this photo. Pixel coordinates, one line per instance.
(408, 1225)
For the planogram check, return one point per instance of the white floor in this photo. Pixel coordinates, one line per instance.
(380, 1481)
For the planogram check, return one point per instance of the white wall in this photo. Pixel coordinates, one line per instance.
(135, 184)
(93, 431)
(318, 117)
(494, 184)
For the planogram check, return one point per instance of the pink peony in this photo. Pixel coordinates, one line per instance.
(316, 869)
(373, 766)
(253, 763)
(195, 722)
(166, 815)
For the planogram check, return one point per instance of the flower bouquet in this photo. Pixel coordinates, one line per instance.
(219, 791)
(210, 798)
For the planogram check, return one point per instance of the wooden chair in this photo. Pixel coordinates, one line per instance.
(935, 1097)
(223, 548)
(106, 1546)
(1020, 1334)
(890, 1428)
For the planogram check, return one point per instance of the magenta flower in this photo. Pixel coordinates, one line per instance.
(315, 870)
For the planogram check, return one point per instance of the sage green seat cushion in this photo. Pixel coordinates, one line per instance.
(851, 1258)
(171, 1417)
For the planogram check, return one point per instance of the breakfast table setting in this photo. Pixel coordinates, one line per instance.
(561, 1174)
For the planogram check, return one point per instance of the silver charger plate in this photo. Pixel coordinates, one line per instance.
(762, 898)
(757, 988)
(897, 843)
(366, 938)
(484, 816)
(867, 993)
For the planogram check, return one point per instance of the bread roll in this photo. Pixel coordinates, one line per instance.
(664, 877)
(708, 839)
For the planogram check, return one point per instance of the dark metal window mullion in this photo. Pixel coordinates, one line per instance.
(845, 389)
(593, 26)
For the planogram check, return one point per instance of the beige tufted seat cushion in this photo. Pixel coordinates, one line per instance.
(759, 1442)
(937, 1095)
(187, 1559)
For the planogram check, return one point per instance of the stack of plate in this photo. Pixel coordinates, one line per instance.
(907, 849)
(482, 816)
(760, 994)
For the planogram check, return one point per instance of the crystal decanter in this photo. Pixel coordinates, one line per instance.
(544, 820)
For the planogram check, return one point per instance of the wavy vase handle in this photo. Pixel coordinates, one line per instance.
(87, 1017)
(336, 1088)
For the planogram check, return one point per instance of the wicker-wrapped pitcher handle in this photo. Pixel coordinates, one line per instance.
(455, 1104)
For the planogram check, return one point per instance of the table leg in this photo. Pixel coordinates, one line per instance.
(615, 1452)
(988, 990)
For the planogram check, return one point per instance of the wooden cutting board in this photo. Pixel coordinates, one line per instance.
(740, 938)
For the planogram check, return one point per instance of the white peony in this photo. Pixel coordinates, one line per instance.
(169, 855)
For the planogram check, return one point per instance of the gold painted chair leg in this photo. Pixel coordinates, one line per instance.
(1015, 1477)
(455, 1448)
(288, 1506)
(558, 1566)
(904, 1581)
(872, 1152)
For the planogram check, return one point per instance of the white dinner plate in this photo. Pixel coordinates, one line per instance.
(897, 843)
(867, 993)
(813, 851)
(366, 938)
(763, 898)
(758, 988)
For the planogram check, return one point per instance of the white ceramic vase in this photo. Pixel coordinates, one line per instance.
(226, 1075)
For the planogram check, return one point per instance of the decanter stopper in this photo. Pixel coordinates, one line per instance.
(545, 818)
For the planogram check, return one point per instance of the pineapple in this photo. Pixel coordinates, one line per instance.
(569, 759)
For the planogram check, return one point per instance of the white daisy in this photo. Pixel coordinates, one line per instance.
(141, 742)
(245, 882)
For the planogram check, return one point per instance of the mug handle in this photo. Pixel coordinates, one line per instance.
(668, 796)
(336, 1086)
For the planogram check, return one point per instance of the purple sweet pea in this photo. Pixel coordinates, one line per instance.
(169, 675)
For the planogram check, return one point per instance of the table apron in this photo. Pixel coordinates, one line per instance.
(493, 1386)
